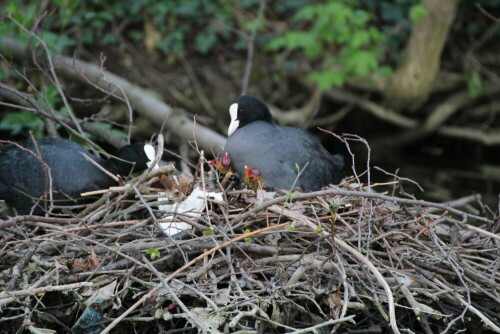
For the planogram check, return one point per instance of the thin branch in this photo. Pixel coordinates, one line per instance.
(176, 121)
(251, 42)
(55, 78)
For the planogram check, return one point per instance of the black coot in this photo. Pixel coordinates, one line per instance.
(276, 151)
(23, 180)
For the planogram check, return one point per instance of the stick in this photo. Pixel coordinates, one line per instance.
(104, 170)
(323, 324)
(44, 289)
(184, 267)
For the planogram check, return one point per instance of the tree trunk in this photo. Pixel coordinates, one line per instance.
(409, 87)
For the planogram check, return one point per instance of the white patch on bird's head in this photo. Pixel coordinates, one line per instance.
(150, 153)
(233, 112)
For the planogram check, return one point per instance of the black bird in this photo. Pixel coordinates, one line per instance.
(24, 183)
(276, 151)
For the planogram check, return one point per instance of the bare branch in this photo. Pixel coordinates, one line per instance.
(251, 42)
(140, 99)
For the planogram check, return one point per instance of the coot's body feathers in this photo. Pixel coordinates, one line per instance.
(276, 151)
(23, 177)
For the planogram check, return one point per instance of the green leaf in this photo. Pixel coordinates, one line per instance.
(208, 231)
(135, 35)
(334, 207)
(319, 229)
(292, 226)
(384, 71)
(474, 83)
(18, 122)
(307, 13)
(328, 78)
(109, 38)
(248, 240)
(361, 62)
(360, 38)
(339, 33)
(290, 196)
(276, 44)
(417, 11)
(49, 96)
(153, 253)
(205, 41)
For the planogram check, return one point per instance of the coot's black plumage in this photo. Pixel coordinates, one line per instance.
(255, 140)
(23, 179)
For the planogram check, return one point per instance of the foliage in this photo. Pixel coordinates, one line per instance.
(248, 240)
(418, 11)
(290, 196)
(474, 83)
(338, 36)
(153, 253)
(71, 23)
(18, 122)
(208, 231)
(334, 207)
(337, 39)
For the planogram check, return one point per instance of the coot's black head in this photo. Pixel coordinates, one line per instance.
(246, 110)
(137, 156)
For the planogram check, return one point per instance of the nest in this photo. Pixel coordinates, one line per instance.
(334, 260)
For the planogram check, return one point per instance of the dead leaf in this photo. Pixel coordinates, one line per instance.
(94, 260)
(335, 303)
(151, 36)
(79, 266)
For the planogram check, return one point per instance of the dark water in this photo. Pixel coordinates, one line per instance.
(445, 168)
(444, 171)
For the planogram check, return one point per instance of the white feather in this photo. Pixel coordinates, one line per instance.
(150, 153)
(233, 112)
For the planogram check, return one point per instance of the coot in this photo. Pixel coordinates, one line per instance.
(253, 179)
(223, 164)
(23, 179)
(278, 152)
